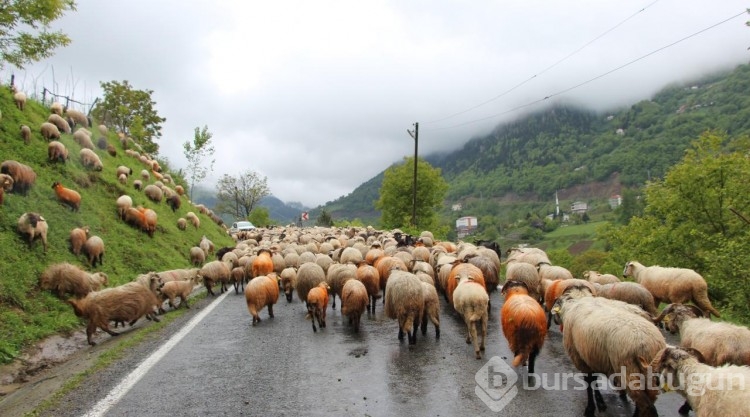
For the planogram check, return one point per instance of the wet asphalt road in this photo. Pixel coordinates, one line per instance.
(226, 367)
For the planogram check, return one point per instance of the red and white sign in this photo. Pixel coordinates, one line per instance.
(305, 216)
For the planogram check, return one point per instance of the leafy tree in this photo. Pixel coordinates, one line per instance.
(24, 30)
(260, 217)
(131, 112)
(396, 198)
(196, 153)
(689, 220)
(238, 196)
(324, 219)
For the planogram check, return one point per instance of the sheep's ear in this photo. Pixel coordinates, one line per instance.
(657, 364)
(695, 353)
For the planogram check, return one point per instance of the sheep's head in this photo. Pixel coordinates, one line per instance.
(570, 293)
(628, 270)
(668, 360)
(514, 287)
(6, 182)
(675, 314)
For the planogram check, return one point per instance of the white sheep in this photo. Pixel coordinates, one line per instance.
(710, 391)
(20, 98)
(62, 124)
(470, 300)
(49, 131)
(124, 202)
(598, 278)
(404, 301)
(527, 273)
(603, 336)
(33, 225)
(90, 159)
(672, 285)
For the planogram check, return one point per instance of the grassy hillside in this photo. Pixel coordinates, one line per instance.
(27, 313)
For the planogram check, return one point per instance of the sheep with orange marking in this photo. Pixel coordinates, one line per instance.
(70, 198)
(470, 300)
(94, 250)
(33, 225)
(524, 324)
(78, 237)
(385, 266)
(317, 303)
(462, 269)
(354, 301)
(309, 275)
(404, 301)
(263, 264)
(261, 291)
(23, 175)
(128, 302)
(65, 279)
(370, 277)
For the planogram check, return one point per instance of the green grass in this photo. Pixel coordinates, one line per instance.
(28, 314)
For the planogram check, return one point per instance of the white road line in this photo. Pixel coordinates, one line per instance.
(129, 381)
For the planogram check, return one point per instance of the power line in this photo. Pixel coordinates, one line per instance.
(566, 90)
(546, 69)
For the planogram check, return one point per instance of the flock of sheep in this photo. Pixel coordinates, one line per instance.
(608, 325)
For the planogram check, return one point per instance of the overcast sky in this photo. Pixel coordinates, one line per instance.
(318, 95)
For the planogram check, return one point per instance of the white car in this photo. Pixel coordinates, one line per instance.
(241, 226)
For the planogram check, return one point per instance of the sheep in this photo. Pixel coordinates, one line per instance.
(354, 301)
(56, 108)
(124, 202)
(598, 278)
(629, 292)
(111, 150)
(150, 219)
(180, 190)
(609, 336)
(26, 134)
(193, 219)
(431, 309)
(128, 302)
(78, 237)
(337, 276)
(185, 274)
(57, 152)
(61, 124)
(719, 342)
(672, 285)
(404, 301)
(138, 185)
(49, 131)
(197, 256)
(385, 266)
(122, 169)
(261, 291)
(489, 271)
(153, 193)
(524, 323)
(23, 176)
(20, 99)
(103, 129)
(215, 271)
(143, 219)
(317, 303)
(238, 278)
(533, 256)
(350, 255)
(6, 184)
(553, 272)
(94, 250)
(263, 264)
(288, 282)
(557, 288)
(709, 390)
(177, 288)
(470, 300)
(78, 117)
(67, 196)
(182, 223)
(66, 279)
(370, 277)
(174, 202)
(90, 159)
(527, 273)
(309, 275)
(459, 270)
(33, 225)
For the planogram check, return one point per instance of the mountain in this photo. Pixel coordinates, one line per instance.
(283, 213)
(580, 154)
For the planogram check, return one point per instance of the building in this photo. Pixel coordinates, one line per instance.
(457, 207)
(579, 207)
(465, 226)
(615, 201)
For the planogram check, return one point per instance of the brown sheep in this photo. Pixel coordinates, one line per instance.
(261, 291)
(78, 237)
(176, 288)
(150, 220)
(197, 256)
(174, 202)
(238, 278)
(215, 271)
(57, 152)
(317, 304)
(33, 225)
(61, 124)
(49, 131)
(354, 301)
(66, 279)
(67, 196)
(459, 270)
(94, 249)
(90, 159)
(26, 134)
(6, 184)
(369, 276)
(23, 176)
(128, 302)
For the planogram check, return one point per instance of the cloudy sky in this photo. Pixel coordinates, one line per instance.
(318, 95)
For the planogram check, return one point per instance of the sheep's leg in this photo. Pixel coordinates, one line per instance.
(313, 316)
(549, 319)
(483, 323)
(473, 335)
(90, 330)
(356, 323)
(334, 301)
(400, 333)
(414, 328)
(590, 407)
(423, 326)
(184, 300)
(270, 310)
(685, 409)
(532, 359)
(600, 404)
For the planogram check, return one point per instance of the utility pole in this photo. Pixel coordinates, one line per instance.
(414, 134)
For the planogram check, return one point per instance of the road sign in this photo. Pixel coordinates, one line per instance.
(305, 216)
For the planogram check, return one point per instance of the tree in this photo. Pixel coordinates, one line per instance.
(238, 196)
(324, 219)
(196, 153)
(131, 112)
(689, 220)
(395, 200)
(24, 30)
(260, 217)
